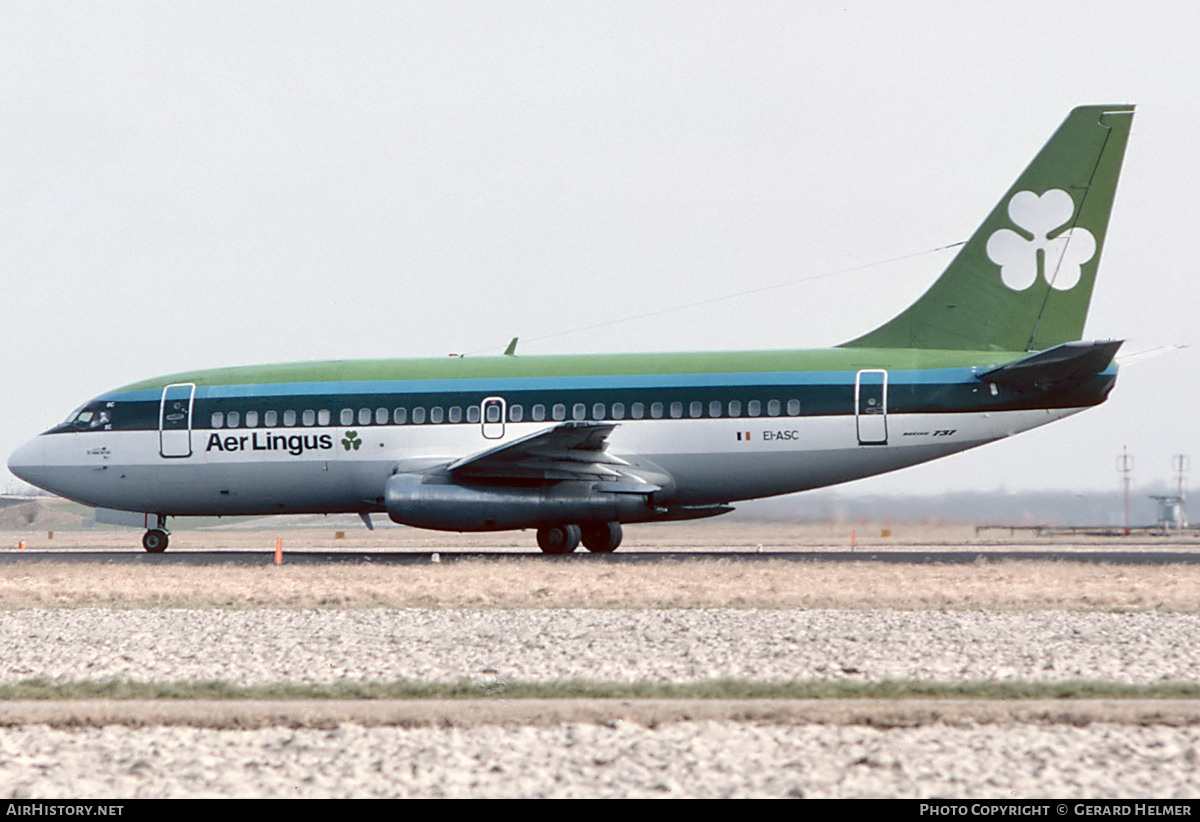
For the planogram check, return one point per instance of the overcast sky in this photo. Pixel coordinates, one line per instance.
(189, 185)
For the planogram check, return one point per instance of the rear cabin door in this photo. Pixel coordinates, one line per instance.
(870, 406)
(175, 420)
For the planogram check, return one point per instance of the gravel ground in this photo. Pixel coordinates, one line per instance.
(689, 758)
(684, 759)
(262, 646)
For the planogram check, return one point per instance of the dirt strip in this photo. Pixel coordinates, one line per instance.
(878, 713)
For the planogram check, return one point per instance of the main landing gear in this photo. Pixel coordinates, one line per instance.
(597, 537)
(155, 540)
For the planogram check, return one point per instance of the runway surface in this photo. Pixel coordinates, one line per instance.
(964, 556)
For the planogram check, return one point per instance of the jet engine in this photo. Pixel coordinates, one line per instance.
(438, 502)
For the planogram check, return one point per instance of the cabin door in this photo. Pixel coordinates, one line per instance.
(491, 417)
(870, 406)
(175, 420)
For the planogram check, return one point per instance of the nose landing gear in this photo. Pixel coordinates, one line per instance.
(155, 540)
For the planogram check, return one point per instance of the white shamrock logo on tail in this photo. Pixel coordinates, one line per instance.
(1058, 259)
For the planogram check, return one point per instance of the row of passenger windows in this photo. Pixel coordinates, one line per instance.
(516, 413)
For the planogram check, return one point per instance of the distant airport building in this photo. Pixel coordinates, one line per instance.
(1171, 513)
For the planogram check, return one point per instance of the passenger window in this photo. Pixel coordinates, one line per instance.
(676, 410)
(656, 410)
(308, 417)
(455, 413)
(218, 418)
(418, 415)
(492, 412)
(637, 410)
(435, 414)
(270, 419)
(323, 416)
(559, 411)
(289, 418)
(381, 416)
(400, 416)
(539, 412)
(695, 409)
(364, 416)
(753, 408)
(714, 408)
(773, 408)
(232, 419)
(347, 416)
(598, 411)
(516, 413)
(735, 408)
(251, 419)
(618, 410)
(793, 408)
(579, 411)
(472, 413)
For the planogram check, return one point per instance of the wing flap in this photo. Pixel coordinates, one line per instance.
(568, 451)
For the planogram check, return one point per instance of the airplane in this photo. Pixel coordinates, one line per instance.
(577, 446)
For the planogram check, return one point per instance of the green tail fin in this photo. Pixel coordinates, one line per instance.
(1024, 280)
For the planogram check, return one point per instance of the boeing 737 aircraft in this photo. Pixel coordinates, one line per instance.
(574, 446)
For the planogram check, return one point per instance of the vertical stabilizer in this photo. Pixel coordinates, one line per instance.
(1024, 280)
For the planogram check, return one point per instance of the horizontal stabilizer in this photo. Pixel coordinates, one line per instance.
(1067, 364)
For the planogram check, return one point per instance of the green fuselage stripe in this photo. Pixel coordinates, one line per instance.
(579, 367)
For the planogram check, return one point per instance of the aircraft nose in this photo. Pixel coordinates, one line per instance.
(27, 460)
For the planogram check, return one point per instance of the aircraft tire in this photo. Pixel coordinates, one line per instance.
(601, 537)
(155, 541)
(558, 539)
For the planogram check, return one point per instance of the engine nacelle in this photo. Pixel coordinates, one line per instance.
(436, 502)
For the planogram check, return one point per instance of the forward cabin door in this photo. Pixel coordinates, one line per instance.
(870, 406)
(491, 417)
(175, 420)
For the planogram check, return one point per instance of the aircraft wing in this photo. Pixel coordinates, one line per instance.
(568, 451)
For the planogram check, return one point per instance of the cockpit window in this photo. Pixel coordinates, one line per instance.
(90, 417)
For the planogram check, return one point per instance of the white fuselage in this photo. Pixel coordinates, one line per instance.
(253, 471)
